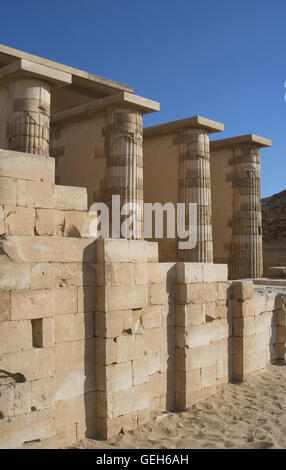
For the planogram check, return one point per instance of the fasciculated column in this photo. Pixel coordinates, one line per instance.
(247, 258)
(29, 121)
(124, 162)
(195, 187)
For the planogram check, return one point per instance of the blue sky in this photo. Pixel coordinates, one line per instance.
(223, 59)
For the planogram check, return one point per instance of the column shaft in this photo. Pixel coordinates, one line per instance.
(195, 187)
(29, 121)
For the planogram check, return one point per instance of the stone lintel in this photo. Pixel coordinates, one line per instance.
(118, 100)
(26, 68)
(192, 122)
(79, 77)
(240, 140)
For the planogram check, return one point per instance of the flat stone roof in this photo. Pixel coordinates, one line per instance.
(83, 86)
(241, 139)
(191, 122)
(122, 99)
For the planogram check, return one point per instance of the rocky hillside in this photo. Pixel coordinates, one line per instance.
(274, 218)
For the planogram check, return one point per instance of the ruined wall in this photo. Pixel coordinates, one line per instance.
(47, 282)
(274, 230)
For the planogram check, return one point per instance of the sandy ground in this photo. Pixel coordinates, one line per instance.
(251, 415)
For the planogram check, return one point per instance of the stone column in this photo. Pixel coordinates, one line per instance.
(124, 161)
(195, 187)
(246, 257)
(29, 116)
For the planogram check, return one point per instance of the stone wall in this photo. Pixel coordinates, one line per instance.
(274, 230)
(98, 335)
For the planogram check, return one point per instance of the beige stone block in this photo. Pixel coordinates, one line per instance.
(243, 326)
(48, 334)
(121, 297)
(202, 356)
(158, 294)
(220, 329)
(74, 250)
(162, 273)
(66, 435)
(198, 293)
(130, 347)
(19, 220)
(242, 290)
(254, 306)
(260, 324)
(7, 400)
(158, 384)
(131, 274)
(2, 231)
(140, 396)
(152, 252)
(23, 396)
(70, 198)
(106, 351)
(140, 370)
(189, 273)
(262, 340)
(87, 298)
(46, 220)
(75, 382)
(8, 191)
(110, 250)
(222, 289)
(27, 166)
(109, 324)
(137, 251)
(43, 393)
(73, 354)
(73, 326)
(28, 304)
(208, 376)
(152, 317)
(77, 224)
(27, 249)
(119, 377)
(35, 194)
(270, 302)
(4, 305)
(122, 402)
(17, 431)
(74, 274)
(73, 409)
(42, 276)
(110, 427)
(214, 272)
(15, 336)
(153, 340)
(30, 364)
(190, 315)
(14, 276)
(66, 300)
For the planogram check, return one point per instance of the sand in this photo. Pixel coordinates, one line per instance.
(251, 415)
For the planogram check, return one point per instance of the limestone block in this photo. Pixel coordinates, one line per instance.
(15, 432)
(130, 347)
(197, 293)
(270, 302)
(140, 396)
(260, 324)
(86, 298)
(261, 340)
(73, 250)
(254, 306)
(201, 356)
(70, 355)
(46, 220)
(243, 326)
(35, 194)
(42, 276)
(222, 291)
(29, 249)
(29, 364)
(121, 297)
(77, 224)
(15, 336)
(43, 393)
(73, 326)
(153, 340)
(119, 377)
(66, 300)
(110, 427)
(190, 315)
(19, 220)
(106, 351)
(109, 324)
(189, 273)
(220, 329)
(4, 305)
(208, 376)
(28, 304)
(14, 276)
(74, 274)
(8, 191)
(121, 250)
(122, 402)
(73, 409)
(158, 384)
(74, 382)
(158, 294)
(48, 332)
(7, 400)
(242, 290)
(152, 317)
(140, 371)
(70, 198)
(162, 273)
(130, 274)
(2, 220)
(214, 272)
(26, 166)
(23, 395)
(152, 252)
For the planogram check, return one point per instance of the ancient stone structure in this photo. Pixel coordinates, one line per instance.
(274, 231)
(98, 334)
